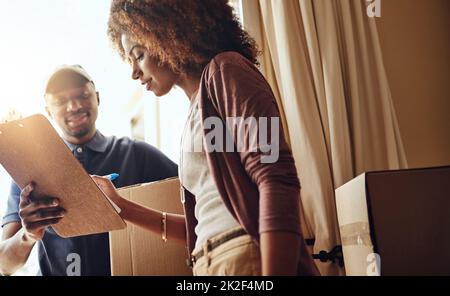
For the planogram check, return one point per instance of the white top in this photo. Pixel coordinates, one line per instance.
(211, 213)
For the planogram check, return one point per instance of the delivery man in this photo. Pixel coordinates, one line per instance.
(72, 102)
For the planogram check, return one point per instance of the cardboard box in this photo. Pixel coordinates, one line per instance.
(136, 251)
(400, 219)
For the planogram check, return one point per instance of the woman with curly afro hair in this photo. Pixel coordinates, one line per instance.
(241, 197)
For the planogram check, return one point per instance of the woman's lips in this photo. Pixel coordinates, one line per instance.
(148, 85)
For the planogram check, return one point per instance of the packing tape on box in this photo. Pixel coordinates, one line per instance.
(356, 234)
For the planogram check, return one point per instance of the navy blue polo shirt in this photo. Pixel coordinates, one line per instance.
(136, 162)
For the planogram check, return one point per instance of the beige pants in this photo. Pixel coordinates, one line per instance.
(239, 256)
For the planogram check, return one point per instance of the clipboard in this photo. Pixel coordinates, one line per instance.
(32, 150)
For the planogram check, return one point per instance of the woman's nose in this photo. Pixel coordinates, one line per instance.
(136, 73)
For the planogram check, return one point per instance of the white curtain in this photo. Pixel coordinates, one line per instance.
(324, 61)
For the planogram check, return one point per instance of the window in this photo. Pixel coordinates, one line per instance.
(164, 121)
(45, 34)
(73, 32)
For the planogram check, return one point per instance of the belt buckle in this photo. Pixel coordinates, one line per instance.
(193, 258)
(191, 261)
(209, 247)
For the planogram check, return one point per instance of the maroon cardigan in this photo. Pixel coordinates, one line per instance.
(261, 197)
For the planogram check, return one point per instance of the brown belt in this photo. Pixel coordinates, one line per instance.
(215, 244)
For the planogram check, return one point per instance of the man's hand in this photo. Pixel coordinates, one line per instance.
(38, 214)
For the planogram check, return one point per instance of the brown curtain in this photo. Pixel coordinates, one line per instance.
(323, 59)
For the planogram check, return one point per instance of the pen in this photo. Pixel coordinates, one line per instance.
(112, 177)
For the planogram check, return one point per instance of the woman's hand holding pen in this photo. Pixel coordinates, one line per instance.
(147, 218)
(108, 188)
